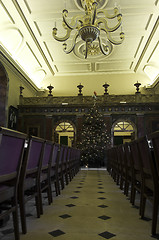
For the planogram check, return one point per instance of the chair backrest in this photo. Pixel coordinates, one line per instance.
(46, 160)
(34, 154)
(137, 164)
(65, 154)
(55, 154)
(154, 138)
(11, 153)
(128, 155)
(144, 153)
(61, 155)
(146, 158)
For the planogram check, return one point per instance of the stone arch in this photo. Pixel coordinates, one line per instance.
(127, 123)
(65, 129)
(4, 85)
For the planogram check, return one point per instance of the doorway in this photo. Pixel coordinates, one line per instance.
(123, 131)
(65, 133)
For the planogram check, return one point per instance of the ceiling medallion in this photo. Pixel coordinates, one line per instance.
(90, 26)
(93, 51)
(81, 3)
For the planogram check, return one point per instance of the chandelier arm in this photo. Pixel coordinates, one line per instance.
(74, 21)
(107, 28)
(107, 15)
(61, 39)
(73, 44)
(94, 12)
(111, 39)
(101, 46)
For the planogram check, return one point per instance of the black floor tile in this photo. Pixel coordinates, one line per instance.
(70, 205)
(101, 192)
(104, 217)
(65, 216)
(74, 197)
(107, 235)
(102, 198)
(56, 233)
(103, 206)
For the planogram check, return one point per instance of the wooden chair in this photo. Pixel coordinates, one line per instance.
(137, 178)
(69, 163)
(115, 165)
(60, 176)
(54, 168)
(11, 155)
(65, 163)
(29, 184)
(123, 169)
(153, 164)
(45, 177)
(130, 171)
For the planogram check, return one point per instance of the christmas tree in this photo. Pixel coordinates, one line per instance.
(94, 138)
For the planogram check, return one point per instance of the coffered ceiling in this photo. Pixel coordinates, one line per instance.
(26, 38)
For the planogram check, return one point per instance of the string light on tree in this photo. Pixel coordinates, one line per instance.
(94, 137)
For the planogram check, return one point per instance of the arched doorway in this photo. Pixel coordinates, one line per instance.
(65, 133)
(123, 131)
(3, 95)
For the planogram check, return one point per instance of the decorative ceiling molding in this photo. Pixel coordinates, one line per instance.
(32, 35)
(11, 64)
(147, 44)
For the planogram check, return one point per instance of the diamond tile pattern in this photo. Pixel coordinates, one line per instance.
(70, 205)
(107, 235)
(56, 233)
(65, 216)
(104, 217)
(90, 218)
(102, 206)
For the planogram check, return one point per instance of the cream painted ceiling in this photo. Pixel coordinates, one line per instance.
(26, 37)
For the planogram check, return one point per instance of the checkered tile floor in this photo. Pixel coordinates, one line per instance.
(97, 210)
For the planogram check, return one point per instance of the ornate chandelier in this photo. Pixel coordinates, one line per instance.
(89, 28)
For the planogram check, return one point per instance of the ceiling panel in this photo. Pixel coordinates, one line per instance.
(30, 24)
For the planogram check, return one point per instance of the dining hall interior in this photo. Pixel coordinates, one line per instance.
(79, 119)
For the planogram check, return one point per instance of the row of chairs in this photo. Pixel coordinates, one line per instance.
(28, 167)
(134, 167)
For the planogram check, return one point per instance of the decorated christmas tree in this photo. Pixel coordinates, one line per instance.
(94, 138)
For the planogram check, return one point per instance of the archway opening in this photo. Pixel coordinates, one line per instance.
(123, 131)
(65, 134)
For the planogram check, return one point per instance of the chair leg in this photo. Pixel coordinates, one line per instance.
(154, 214)
(22, 213)
(133, 193)
(49, 193)
(142, 205)
(126, 187)
(38, 207)
(16, 224)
